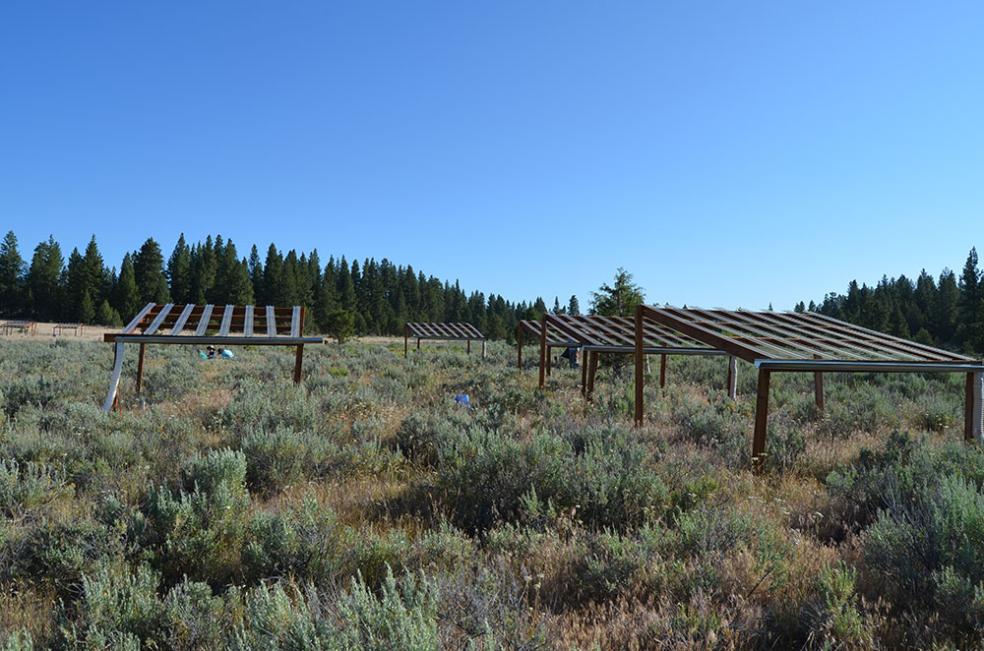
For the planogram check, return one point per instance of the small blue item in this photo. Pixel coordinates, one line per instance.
(463, 400)
(227, 354)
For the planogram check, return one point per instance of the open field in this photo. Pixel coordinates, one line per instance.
(227, 508)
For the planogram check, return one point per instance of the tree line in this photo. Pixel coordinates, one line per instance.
(945, 311)
(342, 297)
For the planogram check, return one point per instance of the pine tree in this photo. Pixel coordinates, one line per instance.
(148, 267)
(179, 272)
(12, 299)
(126, 299)
(573, 306)
(618, 299)
(971, 305)
(44, 280)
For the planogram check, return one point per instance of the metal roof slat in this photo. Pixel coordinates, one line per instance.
(205, 319)
(182, 319)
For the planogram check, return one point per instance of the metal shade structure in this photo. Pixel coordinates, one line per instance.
(529, 330)
(442, 331)
(219, 325)
(596, 334)
(805, 342)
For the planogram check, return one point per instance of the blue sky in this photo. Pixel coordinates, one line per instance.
(728, 154)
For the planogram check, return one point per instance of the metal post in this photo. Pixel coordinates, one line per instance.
(299, 355)
(974, 408)
(761, 421)
(543, 352)
(662, 370)
(468, 347)
(640, 369)
(733, 377)
(818, 388)
(483, 348)
(584, 372)
(592, 370)
(114, 378)
(140, 364)
(549, 360)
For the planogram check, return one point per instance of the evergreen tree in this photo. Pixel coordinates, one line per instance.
(107, 316)
(126, 295)
(619, 298)
(44, 280)
(12, 299)
(179, 272)
(148, 267)
(573, 306)
(971, 305)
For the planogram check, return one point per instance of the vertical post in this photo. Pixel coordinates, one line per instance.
(592, 370)
(543, 352)
(978, 428)
(519, 347)
(662, 370)
(299, 355)
(418, 344)
(640, 369)
(818, 387)
(468, 347)
(761, 421)
(733, 377)
(549, 360)
(406, 341)
(114, 378)
(972, 407)
(483, 348)
(140, 362)
(584, 372)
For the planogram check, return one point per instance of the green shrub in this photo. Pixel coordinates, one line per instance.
(25, 487)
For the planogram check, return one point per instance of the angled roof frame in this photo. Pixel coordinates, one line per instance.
(456, 331)
(811, 342)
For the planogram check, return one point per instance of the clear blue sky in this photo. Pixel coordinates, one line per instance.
(728, 154)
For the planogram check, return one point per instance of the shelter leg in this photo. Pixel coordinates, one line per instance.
(818, 390)
(662, 370)
(732, 377)
(140, 362)
(974, 408)
(468, 347)
(483, 348)
(543, 353)
(298, 362)
(640, 370)
(549, 360)
(114, 380)
(406, 345)
(584, 372)
(592, 371)
(761, 421)
(418, 344)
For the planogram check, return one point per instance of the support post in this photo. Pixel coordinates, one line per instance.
(468, 347)
(299, 355)
(818, 388)
(418, 344)
(406, 341)
(761, 421)
(733, 377)
(974, 408)
(549, 360)
(640, 369)
(662, 369)
(592, 370)
(483, 348)
(140, 362)
(543, 352)
(584, 372)
(114, 378)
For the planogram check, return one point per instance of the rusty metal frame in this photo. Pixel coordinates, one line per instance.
(805, 342)
(444, 332)
(596, 335)
(191, 324)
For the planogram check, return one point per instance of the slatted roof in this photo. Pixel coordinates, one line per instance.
(450, 331)
(800, 340)
(533, 329)
(617, 334)
(169, 323)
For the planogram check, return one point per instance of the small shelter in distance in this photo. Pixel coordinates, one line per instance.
(443, 331)
(228, 325)
(810, 342)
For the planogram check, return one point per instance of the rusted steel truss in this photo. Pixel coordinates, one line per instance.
(218, 325)
(443, 331)
(804, 342)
